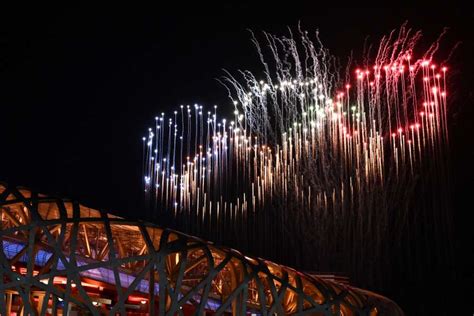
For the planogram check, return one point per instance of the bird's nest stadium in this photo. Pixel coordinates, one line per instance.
(61, 258)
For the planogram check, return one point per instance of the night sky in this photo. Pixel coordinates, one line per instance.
(80, 87)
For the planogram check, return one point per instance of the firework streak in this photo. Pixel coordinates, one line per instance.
(310, 162)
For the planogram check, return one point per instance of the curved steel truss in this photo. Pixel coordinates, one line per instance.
(60, 257)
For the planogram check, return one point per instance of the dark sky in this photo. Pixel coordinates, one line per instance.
(80, 86)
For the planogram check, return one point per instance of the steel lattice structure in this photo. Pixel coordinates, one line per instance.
(62, 258)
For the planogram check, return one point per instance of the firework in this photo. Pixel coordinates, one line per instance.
(309, 154)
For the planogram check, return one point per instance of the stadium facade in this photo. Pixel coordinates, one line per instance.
(62, 258)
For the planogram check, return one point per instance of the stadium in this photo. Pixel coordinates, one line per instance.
(62, 258)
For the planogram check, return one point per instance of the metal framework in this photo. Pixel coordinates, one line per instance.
(61, 258)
